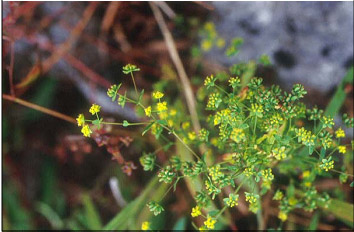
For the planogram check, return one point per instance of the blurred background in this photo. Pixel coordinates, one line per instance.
(64, 55)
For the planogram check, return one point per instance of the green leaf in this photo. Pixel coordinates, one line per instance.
(92, 216)
(322, 154)
(121, 220)
(50, 215)
(314, 221)
(97, 122)
(147, 128)
(180, 224)
(140, 96)
(352, 184)
(338, 98)
(125, 123)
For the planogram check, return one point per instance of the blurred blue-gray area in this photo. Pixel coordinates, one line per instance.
(309, 42)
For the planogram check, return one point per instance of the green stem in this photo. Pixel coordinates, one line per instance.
(136, 90)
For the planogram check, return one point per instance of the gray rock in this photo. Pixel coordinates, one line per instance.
(309, 42)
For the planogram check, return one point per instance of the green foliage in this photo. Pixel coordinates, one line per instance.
(254, 133)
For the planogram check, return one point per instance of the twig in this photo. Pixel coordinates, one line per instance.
(166, 9)
(179, 66)
(204, 4)
(39, 108)
(109, 16)
(62, 48)
(11, 68)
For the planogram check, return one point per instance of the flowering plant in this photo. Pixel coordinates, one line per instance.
(250, 142)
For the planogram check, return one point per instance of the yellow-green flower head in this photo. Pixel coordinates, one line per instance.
(220, 43)
(267, 174)
(328, 122)
(86, 131)
(251, 197)
(248, 172)
(257, 109)
(232, 200)
(80, 120)
(196, 211)
(278, 195)
(209, 81)
(340, 133)
(130, 68)
(148, 111)
(279, 153)
(342, 149)
(215, 172)
(210, 223)
(237, 135)
(145, 225)
(192, 135)
(282, 216)
(161, 106)
(95, 109)
(157, 95)
(327, 164)
(234, 82)
(206, 45)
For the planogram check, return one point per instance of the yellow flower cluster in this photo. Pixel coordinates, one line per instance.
(278, 195)
(161, 106)
(276, 119)
(237, 135)
(342, 149)
(279, 153)
(210, 223)
(340, 133)
(148, 111)
(256, 108)
(327, 165)
(80, 120)
(267, 174)
(251, 198)
(215, 172)
(86, 131)
(145, 226)
(214, 100)
(282, 216)
(157, 95)
(232, 200)
(249, 172)
(328, 122)
(208, 80)
(306, 137)
(95, 109)
(196, 211)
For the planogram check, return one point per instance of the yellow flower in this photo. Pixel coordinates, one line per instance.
(157, 95)
(173, 112)
(148, 111)
(282, 216)
(206, 45)
(145, 226)
(86, 131)
(210, 223)
(95, 109)
(306, 174)
(342, 149)
(196, 211)
(80, 120)
(191, 135)
(340, 133)
(161, 106)
(220, 43)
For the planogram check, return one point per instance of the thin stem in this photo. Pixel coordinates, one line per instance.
(39, 108)
(333, 170)
(221, 89)
(136, 90)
